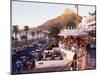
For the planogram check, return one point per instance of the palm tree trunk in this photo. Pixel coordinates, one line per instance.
(15, 40)
(77, 10)
(33, 37)
(26, 38)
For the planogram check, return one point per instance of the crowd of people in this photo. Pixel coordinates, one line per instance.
(81, 46)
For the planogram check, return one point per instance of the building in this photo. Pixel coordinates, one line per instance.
(89, 22)
(30, 36)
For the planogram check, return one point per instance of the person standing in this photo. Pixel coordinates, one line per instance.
(18, 65)
(84, 64)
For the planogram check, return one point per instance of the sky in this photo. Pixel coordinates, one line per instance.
(34, 14)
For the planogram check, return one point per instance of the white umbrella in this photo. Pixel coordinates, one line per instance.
(80, 32)
(88, 29)
(72, 32)
(83, 33)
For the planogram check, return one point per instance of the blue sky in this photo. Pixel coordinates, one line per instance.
(34, 14)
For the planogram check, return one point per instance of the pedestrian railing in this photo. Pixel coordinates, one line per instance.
(68, 65)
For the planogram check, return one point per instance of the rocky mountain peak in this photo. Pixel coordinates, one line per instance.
(68, 12)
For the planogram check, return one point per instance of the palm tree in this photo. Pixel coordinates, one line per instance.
(13, 38)
(45, 34)
(33, 33)
(26, 29)
(53, 32)
(37, 33)
(77, 8)
(40, 31)
(15, 31)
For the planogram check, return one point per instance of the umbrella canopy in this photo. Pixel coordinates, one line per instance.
(80, 32)
(87, 29)
(72, 32)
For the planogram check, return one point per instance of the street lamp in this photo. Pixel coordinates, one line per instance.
(77, 8)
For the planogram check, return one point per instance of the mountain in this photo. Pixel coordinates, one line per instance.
(67, 16)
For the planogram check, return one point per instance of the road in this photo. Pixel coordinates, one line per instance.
(25, 52)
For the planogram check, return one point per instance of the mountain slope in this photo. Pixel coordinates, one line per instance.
(67, 16)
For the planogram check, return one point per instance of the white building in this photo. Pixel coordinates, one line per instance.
(88, 22)
(29, 35)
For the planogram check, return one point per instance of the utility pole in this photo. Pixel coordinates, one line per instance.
(77, 8)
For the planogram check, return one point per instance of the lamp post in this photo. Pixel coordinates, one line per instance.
(77, 8)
